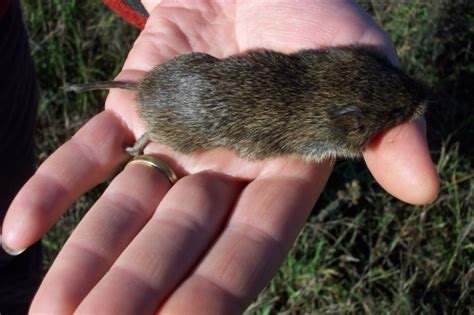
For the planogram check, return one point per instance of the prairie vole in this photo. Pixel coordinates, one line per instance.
(311, 104)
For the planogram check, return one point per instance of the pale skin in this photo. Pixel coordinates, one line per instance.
(210, 243)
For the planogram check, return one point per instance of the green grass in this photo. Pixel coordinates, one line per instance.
(362, 251)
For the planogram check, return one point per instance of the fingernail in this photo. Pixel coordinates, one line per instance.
(11, 251)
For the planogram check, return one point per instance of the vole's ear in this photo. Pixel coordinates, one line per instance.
(347, 117)
(346, 110)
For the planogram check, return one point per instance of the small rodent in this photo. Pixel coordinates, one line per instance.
(310, 104)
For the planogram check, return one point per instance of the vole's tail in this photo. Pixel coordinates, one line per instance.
(103, 85)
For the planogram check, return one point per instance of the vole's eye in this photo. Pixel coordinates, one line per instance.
(362, 129)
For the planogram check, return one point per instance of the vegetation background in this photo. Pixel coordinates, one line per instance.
(362, 251)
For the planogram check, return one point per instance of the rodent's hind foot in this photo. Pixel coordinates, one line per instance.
(139, 145)
(132, 151)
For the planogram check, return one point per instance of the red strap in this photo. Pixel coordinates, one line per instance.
(126, 12)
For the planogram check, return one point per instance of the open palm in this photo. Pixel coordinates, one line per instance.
(211, 242)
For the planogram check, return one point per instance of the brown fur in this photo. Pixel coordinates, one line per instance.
(311, 104)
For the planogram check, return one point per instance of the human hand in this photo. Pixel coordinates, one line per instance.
(213, 240)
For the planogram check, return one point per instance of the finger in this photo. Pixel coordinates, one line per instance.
(400, 161)
(177, 235)
(87, 159)
(268, 216)
(103, 234)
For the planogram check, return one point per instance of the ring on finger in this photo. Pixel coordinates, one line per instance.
(153, 162)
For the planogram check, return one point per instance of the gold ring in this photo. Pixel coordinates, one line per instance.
(151, 161)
